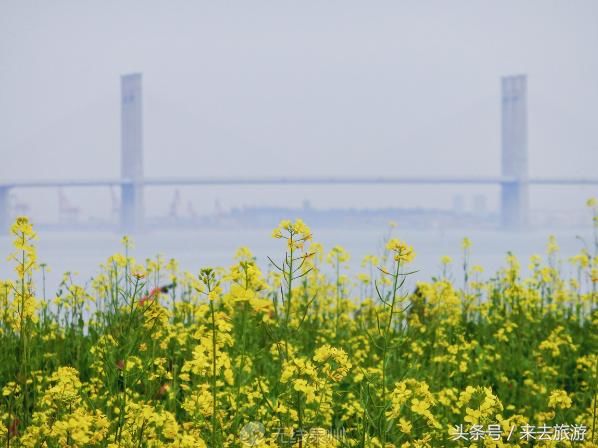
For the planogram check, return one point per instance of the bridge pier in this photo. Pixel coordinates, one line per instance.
(4, 209)
(515, 192)
(131, 206)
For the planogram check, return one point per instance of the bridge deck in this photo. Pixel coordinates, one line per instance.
(324, 180)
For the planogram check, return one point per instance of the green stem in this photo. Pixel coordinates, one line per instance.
(213, 373)
(382, 420)
(289, 298)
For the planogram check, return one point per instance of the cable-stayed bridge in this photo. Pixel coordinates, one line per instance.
(514, 181)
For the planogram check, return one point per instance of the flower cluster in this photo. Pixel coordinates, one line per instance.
(400, 250)
(296, 352)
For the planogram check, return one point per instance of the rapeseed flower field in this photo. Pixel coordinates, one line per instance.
(299, 352)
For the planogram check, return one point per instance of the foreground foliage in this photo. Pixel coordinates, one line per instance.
(303, 355)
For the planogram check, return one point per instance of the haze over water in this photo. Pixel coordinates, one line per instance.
(262, 89)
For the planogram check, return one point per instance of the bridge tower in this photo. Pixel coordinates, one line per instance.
(514, 194)
(131, 209)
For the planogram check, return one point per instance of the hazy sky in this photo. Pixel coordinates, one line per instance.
(264, 88)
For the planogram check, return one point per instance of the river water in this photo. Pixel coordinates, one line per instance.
(81, 252)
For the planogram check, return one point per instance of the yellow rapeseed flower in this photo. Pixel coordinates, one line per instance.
(400, 250)
(466, 243)
(559, 399)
